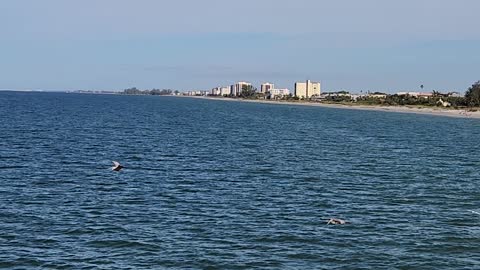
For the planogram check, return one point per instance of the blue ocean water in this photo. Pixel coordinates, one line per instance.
(232, 185)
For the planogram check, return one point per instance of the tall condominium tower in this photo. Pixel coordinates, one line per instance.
(265, 87)
(307, 89)
(236, 89)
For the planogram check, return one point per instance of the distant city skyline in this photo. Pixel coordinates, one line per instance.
(370, 45)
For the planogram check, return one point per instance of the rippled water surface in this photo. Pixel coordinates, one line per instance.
(232, 185)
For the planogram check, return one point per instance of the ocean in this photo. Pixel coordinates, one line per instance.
(213, 184)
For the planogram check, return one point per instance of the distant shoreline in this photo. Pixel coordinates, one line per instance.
(435, 111)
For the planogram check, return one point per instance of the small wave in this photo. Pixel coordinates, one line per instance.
(80, 231)
(123, 244)
(22, 262)
(12, 167)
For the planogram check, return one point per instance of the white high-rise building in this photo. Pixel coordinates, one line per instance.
(236, 89)
(265, 87)
(307, 89)
(225, 91)
(215, 91)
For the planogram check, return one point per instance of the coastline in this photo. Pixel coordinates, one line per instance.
(435, 111)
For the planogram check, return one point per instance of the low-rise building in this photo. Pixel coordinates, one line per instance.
(197, 93)
(454, 94)
(425, 95)
(444, 103)
(406, 93)
(336, 94)
(341, 95)
(377, 95)
(416, 94)
(220, 91)
(278, 93)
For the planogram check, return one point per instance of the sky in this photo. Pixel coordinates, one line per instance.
(368, 45)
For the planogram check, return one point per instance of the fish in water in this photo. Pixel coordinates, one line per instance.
(336, 221)
(116, 166)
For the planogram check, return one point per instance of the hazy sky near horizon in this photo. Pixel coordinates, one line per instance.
(374, 45)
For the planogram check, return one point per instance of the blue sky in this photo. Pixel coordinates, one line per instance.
(374, 45)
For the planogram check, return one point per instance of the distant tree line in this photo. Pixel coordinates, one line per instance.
(471, 98)
(403, 100)
(154, 92)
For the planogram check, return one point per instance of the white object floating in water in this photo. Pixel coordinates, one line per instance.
(336, 221)
(475, 212)
(116, 166)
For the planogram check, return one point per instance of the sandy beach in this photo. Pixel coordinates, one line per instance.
(436, 111)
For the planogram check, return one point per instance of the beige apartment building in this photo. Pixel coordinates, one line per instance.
(220, 91)
(307, 89)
